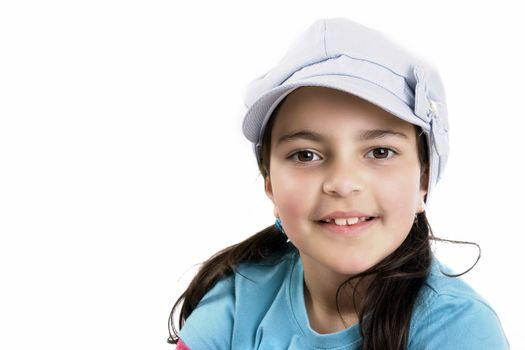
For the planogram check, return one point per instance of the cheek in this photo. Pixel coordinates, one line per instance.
(292, 193)
(399, 192)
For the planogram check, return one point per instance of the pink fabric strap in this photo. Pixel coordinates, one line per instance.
(181, 345)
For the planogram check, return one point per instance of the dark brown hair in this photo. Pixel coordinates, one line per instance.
(395, 281)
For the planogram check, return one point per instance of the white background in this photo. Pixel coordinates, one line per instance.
(123, 164)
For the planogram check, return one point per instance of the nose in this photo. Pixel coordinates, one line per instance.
(343, 177)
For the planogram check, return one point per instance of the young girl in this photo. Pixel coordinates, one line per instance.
(350, 132)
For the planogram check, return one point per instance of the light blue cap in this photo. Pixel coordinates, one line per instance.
(341, 54)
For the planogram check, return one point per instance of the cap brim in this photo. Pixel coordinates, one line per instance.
(258, 114)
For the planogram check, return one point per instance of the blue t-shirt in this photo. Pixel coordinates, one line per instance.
(262, 307)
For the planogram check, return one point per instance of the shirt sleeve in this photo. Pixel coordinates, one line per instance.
(455, 322)
(210, 325)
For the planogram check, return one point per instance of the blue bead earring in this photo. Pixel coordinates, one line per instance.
(279, 226)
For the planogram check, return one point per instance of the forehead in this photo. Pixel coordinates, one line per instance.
(331, 111)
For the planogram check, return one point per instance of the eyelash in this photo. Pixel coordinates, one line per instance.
(306, 150)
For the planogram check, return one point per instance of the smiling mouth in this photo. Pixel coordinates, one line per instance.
(346, 222)
(348, 227)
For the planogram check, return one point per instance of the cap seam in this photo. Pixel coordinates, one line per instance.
(352, 57)
(324, 39)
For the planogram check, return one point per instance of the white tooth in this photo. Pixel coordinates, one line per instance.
(340, 222)
(349, 221)
(352, 221)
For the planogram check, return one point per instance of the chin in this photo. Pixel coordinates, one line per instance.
(353, 266)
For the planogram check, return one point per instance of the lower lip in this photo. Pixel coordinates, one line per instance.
(348, 230)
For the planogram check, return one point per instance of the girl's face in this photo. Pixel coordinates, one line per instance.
(340, 164)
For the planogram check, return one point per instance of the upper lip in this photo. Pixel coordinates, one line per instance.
(344, 215)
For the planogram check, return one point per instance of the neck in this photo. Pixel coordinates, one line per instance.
(325, 313)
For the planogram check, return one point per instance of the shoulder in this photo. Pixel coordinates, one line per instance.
(450, 314)
(208, 325)
(212, 323)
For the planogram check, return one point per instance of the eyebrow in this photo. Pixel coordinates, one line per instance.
(363, 136)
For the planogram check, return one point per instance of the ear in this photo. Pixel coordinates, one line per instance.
(268, 187)
(269, 193)
(423, 180)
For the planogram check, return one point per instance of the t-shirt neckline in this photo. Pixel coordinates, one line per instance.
(346, 337)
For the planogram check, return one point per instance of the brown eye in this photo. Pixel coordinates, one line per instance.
(381, 152)
(304, 156)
